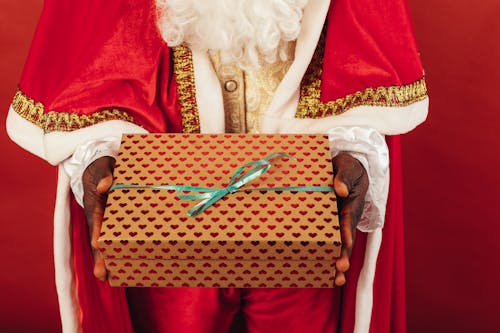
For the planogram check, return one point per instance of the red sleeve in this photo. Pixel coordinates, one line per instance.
(99, 58)
(369, 44)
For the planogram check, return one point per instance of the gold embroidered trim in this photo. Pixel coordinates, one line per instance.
(310, 105)
(184, 75)
(53, 121)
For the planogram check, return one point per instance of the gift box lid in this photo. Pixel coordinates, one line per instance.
(263, 220)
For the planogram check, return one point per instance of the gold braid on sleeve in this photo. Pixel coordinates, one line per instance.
(53, 121)
(186, 90)
(311, 106)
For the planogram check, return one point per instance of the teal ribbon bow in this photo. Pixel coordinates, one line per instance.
(209, 196)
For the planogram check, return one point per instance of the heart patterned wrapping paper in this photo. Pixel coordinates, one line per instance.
(256, 237)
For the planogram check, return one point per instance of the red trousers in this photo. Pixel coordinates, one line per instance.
(205, 310)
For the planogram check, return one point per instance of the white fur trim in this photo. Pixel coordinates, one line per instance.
(286, 96)
(364, 290)
(63, 258)
(208, 94)
(386, 120)
(55, 147)
(61, 145)
(24, 133)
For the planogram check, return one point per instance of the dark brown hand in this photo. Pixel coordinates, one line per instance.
(97, 179)
(350, 184)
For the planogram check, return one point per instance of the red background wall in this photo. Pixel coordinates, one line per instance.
(451, 181)
(451, 171)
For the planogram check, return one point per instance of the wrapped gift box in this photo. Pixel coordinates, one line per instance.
(250, 238)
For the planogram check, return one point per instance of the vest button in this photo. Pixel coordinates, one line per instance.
(230, 85)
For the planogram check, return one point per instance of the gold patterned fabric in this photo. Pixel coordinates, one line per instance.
(260, 87)
(232, 80)
(61, 121)
(247, 94)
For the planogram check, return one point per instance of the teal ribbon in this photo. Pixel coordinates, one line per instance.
(209, 196)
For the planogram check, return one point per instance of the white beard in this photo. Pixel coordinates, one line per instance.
(244, 32)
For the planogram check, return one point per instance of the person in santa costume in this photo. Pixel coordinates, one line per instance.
(349, 68)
